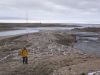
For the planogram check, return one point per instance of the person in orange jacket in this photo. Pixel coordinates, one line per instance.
(24, 54)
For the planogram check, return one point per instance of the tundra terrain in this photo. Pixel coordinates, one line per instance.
(50, 53)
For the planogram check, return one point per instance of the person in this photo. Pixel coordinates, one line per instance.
(24, 54)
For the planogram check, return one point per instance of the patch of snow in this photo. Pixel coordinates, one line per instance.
(94, 73)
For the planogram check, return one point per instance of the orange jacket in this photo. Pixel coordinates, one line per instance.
(24, 53)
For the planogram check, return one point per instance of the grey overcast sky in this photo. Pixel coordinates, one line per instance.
(69, 11)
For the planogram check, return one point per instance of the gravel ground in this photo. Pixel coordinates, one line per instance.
(50, 53)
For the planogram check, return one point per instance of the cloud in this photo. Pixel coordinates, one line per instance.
(73, 10)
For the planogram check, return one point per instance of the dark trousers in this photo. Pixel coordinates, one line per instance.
(25, 60)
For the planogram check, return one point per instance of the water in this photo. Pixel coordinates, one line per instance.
(90, 25)
(90, 45)
(89, 38)
(17, 32)
(56, 28)
(24, 30)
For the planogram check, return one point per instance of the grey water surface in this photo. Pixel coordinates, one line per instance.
(89, 43)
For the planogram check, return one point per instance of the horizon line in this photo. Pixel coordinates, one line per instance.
(44, 21)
